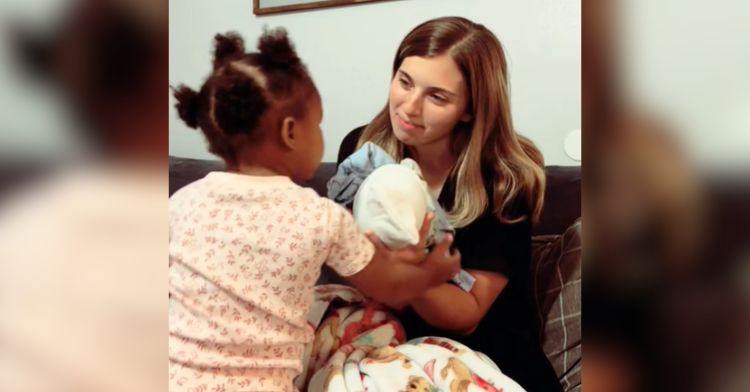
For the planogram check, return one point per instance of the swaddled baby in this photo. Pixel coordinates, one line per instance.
(390, 199)
(392, 202)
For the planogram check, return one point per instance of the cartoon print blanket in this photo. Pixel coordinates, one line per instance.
(360, 346)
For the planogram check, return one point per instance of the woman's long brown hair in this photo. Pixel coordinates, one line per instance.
(489, 141)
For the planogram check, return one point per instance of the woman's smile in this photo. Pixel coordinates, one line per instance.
(407, 125)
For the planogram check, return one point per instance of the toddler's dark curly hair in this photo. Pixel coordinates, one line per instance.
(246, 93)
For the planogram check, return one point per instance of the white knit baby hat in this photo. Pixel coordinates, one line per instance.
(392, 202)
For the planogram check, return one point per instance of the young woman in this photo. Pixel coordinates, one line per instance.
(449, 109)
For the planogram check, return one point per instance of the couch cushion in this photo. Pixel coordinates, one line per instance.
(562, 200)
(183, 171)
(556, 281)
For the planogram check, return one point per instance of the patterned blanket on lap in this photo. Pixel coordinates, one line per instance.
(360, 346)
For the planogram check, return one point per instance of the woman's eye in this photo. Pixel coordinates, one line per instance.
(438, 98)
(403, 82)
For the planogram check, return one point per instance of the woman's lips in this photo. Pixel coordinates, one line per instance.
(406, 125)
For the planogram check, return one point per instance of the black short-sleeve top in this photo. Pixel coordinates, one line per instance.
(490, 245)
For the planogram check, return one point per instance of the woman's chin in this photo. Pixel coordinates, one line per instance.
(404, 137)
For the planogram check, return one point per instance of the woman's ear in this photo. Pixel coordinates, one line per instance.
(466, 117)
(289, 137)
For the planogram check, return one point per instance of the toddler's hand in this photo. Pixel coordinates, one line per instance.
(410, 254)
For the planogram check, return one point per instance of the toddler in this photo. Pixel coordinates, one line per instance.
(246, 245)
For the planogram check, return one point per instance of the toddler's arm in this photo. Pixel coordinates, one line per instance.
(395, 279)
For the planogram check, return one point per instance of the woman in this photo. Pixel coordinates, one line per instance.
(449, 110)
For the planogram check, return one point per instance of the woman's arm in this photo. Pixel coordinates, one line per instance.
(452, 309)
(492, 252)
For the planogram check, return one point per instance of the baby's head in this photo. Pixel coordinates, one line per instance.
(392, 202)
(259, 108)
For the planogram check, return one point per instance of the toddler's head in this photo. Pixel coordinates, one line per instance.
(258, 109)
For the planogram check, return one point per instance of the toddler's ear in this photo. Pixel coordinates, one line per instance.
(289, 137)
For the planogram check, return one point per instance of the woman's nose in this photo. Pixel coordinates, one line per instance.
(413, 104)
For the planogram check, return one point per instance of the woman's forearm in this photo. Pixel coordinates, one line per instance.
(448, 307)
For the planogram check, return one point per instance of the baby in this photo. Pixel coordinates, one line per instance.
(390, 200)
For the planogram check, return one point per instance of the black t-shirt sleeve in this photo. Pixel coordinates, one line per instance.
(349, 144)
(490, 245)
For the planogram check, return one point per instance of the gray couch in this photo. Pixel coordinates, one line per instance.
(555, 264)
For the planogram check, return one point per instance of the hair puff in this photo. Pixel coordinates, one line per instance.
(187, 105)
(238, 104)
(276, 51)
(227, 47)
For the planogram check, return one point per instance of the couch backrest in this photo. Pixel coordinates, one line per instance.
(562, 199)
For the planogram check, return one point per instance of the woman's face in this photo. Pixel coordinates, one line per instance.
(428, 97)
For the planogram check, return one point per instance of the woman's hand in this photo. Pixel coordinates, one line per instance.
(413, 254)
